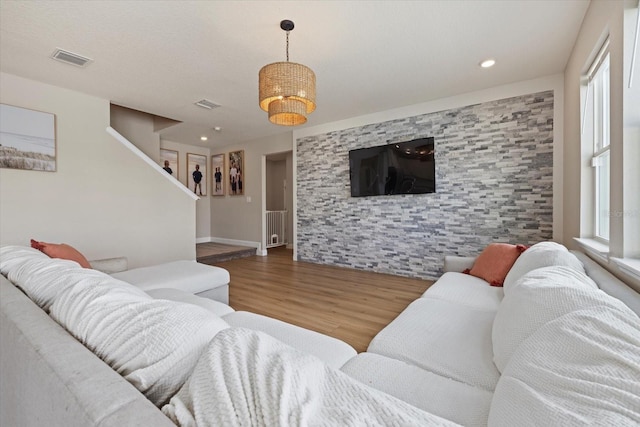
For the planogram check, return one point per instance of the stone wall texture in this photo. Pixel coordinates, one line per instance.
(494, 175)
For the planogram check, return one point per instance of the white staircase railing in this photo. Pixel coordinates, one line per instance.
(276, 228)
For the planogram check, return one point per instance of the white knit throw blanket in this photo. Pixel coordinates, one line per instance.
(247, 378)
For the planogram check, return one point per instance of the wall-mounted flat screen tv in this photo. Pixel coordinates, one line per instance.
(399, 168)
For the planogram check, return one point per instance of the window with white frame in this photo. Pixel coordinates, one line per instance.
(596, 132)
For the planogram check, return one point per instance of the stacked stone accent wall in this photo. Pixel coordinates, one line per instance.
(494, 175)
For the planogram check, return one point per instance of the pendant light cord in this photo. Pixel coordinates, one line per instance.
(287, 46)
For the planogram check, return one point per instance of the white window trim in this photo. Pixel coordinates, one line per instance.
(629, 266)
(596, 140)
(594, 247)
(597, 216)
(600, 251)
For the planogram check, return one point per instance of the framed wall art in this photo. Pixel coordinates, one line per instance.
(169, 162)
(197, 173)
(219, 176)
(236, 173)
(27, 139)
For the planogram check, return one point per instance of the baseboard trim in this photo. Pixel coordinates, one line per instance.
(235, 242)
(203, 240)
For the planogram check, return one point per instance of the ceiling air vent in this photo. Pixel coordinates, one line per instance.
(70, 58)
(205, 103)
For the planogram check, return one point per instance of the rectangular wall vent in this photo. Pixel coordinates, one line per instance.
(71, 58)
(205, 103)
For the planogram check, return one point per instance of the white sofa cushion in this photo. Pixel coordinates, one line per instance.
(154, 344)
(579, 369)
(537, 298)
(330, 350)
(216, 307)
(447, 398)
(44, 279)
(11, 255)
(449, 339)
(467, 290)
(189, 276)
(543, 254)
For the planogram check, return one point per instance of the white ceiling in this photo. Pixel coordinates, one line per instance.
(162, 56)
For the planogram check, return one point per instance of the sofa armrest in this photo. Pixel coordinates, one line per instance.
(457, 263)
(110, 265)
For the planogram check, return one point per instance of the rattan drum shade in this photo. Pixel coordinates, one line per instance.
(287, 91)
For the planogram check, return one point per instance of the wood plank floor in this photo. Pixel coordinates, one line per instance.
(348, 304)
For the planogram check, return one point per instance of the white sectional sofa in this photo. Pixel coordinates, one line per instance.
(465, 352)
(445, 353)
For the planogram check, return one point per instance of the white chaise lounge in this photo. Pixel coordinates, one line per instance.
(192, 277)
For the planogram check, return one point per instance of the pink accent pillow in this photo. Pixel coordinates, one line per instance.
(62, 251)
(495, 261)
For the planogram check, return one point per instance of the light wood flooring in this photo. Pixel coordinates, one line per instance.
(348, 304)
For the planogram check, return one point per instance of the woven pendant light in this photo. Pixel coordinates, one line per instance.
(287, 90)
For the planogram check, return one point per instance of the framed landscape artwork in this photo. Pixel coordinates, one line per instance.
(197, 173)
(27, 139)
(169, 162)
(236, 173)
(219, 175)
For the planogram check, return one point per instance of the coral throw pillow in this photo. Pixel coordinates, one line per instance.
(62, 251)
(495, 261)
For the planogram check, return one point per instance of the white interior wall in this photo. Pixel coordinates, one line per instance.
(141, 130)
(138, 128)
(238, 219)
(631, 135)
(601, 17)
(102, 199)
(601, 20)
(203, 206)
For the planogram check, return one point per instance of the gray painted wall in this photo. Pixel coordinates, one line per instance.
(494, 178)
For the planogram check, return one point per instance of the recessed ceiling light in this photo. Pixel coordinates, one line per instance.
(217, 128)
(488, 63)
(203, 138)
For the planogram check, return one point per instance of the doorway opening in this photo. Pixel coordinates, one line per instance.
(278, 214)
